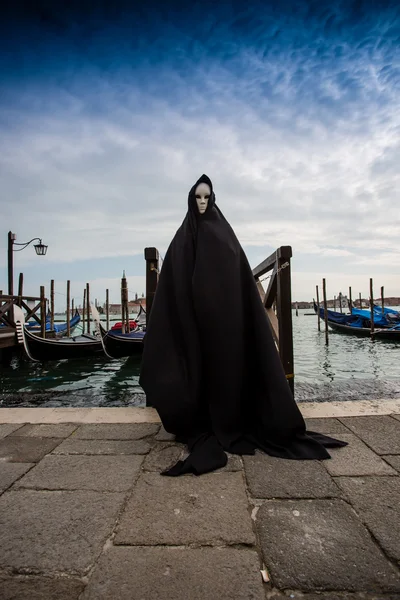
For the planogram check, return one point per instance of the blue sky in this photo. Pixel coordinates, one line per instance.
(109, 114)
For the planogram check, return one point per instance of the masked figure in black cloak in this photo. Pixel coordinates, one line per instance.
(210, 365)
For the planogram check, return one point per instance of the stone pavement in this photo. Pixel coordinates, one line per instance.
(84, 514)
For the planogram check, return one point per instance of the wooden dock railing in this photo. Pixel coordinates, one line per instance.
(7, 303)
(278, 294)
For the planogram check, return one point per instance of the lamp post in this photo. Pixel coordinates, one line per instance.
(40, 250)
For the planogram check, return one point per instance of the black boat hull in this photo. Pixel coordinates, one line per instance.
(120, 345)
(42, 349)
(381, 334)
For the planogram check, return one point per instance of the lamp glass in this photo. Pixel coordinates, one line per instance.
(40, 249)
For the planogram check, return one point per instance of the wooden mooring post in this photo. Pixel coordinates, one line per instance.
(123, 316)
(359, 295)
(371, 300)
(350, 301)
(107, 309)
(52, 305)
(319, 317)
(88, 308)
(325, 311)
(84, 310)
(68, 308)
(382, 300)
(20, 288)
(152, 259)
(42, 312)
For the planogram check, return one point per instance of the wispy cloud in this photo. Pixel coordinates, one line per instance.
(293, 113)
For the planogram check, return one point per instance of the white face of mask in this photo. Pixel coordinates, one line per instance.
(202, 193)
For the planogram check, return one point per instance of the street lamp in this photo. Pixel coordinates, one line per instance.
(40, 250)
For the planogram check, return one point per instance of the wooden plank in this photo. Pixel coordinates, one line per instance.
(31, 312)
(274, 324)
(284, 253)
(270, 294)
(261, 290)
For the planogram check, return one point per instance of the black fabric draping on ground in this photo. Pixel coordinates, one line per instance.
(210, 365)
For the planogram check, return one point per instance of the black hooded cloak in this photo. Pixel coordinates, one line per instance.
(210, 365)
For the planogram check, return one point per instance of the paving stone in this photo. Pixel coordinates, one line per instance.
(102, 473)
(30, 587)
(10, 472)
(164, 436)
(93, 447)
(296, 595)
(326, 425)
(381, 433)
(116, 431)
(396, 417)
(176, 574)
(51, 430)
(63, 531)
(270, 477)
(26, 449)
(163, 456)
(355, 459)
(314, 545)
(211, 509)
(7, 428)
(393, 460)
(234, 463)
(377, 501)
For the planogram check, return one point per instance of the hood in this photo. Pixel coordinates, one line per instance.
(192, 204)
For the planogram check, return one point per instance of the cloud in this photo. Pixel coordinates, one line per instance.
(293, 116)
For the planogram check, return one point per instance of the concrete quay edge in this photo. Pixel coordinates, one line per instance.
(132, 414)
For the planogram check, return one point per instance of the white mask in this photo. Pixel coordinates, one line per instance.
(202, 194)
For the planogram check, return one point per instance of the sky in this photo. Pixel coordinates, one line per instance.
(110, 113)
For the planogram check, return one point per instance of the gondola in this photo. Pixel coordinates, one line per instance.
(117, 344)
(382, 334)
(59, 329)
(43, 349)
(355, 324)
(139, 320)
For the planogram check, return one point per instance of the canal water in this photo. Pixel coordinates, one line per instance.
(350, 368)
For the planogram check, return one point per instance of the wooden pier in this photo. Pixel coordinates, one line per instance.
(37, 313)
